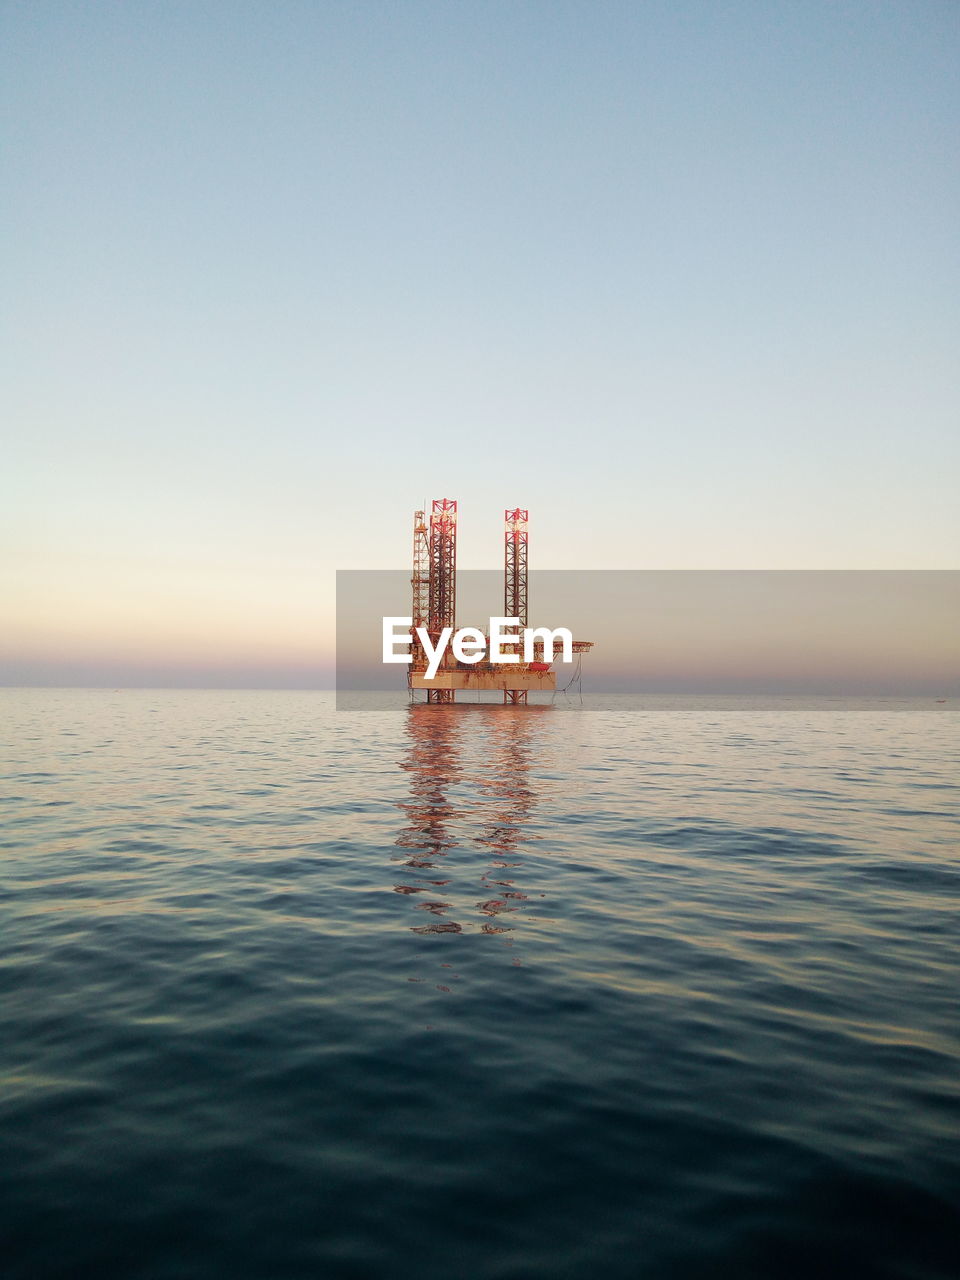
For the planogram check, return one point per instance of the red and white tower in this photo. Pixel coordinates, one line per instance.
(420, 583)
(515, 579)
(442, 594)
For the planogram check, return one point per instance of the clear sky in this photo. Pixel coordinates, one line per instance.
(682, 278)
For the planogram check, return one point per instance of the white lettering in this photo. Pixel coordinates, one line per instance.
(434, 655)
(498, 637)
(549, 638)
(469, 645)
(391, 639)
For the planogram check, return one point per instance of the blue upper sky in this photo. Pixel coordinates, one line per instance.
(682, 278)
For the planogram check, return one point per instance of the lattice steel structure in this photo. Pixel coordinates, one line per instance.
(515, 579)
(434, 585)
(442, 593)
(420, 582)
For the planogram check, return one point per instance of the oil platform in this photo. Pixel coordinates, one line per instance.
(434, 607)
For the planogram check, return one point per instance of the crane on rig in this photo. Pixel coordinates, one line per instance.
(434, 608)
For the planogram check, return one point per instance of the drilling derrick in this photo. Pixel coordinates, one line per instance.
(515, 580)
(442, 594)
(421, 589)
(515, 566)
(434, 608)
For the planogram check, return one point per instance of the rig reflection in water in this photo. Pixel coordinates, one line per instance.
(477, 786)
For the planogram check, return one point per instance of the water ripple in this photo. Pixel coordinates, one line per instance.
(638, 992)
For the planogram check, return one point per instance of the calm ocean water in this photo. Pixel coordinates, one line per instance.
(653, 988)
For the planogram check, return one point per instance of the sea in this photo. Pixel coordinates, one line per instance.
(620, 988)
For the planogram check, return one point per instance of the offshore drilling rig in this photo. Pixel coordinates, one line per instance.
(434, 584)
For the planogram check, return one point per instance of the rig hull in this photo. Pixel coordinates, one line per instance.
(529, 681)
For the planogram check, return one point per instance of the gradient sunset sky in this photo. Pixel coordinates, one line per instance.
(681, 278)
